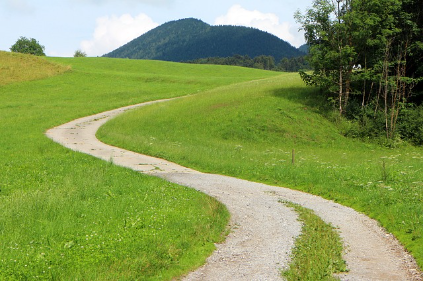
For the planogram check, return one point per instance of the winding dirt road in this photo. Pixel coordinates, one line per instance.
(262, 229)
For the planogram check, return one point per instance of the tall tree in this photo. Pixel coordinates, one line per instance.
(383, 37)
(331, 54)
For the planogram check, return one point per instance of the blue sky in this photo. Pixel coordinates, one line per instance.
(100, 26)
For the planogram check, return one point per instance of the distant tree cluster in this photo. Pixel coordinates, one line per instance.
(367, 56)
(28, 46)
(259, 62)
(293, 64)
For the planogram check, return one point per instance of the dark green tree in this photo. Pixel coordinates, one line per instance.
(28, 46)
(331, 54)
(264, 62)
(371, 49)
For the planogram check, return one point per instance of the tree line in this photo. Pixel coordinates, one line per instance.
(260, 62)
(367, 57)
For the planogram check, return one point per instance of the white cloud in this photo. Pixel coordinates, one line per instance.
(112, 32)
(268, 22)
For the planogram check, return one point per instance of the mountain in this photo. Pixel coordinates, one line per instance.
(190, 39)
(304, 48)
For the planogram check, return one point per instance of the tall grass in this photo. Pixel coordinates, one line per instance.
(249, 130)
(68, 216)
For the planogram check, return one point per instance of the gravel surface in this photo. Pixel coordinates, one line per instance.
(262, 229)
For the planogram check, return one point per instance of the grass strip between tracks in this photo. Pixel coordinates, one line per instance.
(317, 254)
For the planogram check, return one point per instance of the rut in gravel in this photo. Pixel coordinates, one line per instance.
(262, 229)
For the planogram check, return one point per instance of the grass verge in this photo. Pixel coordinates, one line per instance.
(249, 130)
(317, 254)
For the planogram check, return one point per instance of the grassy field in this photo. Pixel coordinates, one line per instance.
(249, 130)
(69, 216)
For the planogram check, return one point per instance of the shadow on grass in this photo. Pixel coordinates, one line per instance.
(311, 97)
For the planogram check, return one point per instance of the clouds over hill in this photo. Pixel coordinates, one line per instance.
(268, 22)
(114, 31)
(191, 39)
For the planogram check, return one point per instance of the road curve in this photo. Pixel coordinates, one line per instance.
(262, 229)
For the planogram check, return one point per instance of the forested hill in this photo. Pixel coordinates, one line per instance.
(190, 39)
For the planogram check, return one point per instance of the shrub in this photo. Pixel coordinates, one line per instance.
(28, 46)
(410, 123)
(79, 54)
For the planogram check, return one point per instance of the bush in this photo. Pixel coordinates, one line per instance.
(79, 54)
(367, 124)
(410, 123)
(28, 46)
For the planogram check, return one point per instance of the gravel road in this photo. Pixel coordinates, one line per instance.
(262, 229)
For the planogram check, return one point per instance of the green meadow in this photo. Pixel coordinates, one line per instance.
(69, 216)
(274, 131)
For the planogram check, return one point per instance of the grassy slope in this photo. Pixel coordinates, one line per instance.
(68, 216)
(249, 130)
(15, 67)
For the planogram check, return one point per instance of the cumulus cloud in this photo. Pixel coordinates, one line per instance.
(113, 31)
(268, 22)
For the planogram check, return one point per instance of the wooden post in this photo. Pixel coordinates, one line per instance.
(293, 156)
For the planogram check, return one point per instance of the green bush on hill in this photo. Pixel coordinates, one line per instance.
(28, 46)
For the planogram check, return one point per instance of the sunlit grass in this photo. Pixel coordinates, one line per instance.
(15, 67)
(249, 130)
(317, 254)
(69, 216)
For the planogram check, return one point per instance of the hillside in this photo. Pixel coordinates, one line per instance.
(16, 67)
(304, 48)
(249, 130)
(190, 39)
(70, 216)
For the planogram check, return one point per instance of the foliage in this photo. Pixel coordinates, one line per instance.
(368, 124)
(248, 131)
(28, 46)
(191, 39)
(317, 254)
(410, 123)
(69, 216)
(79, 54)
(260, 62)
(366, 53)
(293, 64)
(304, 49)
